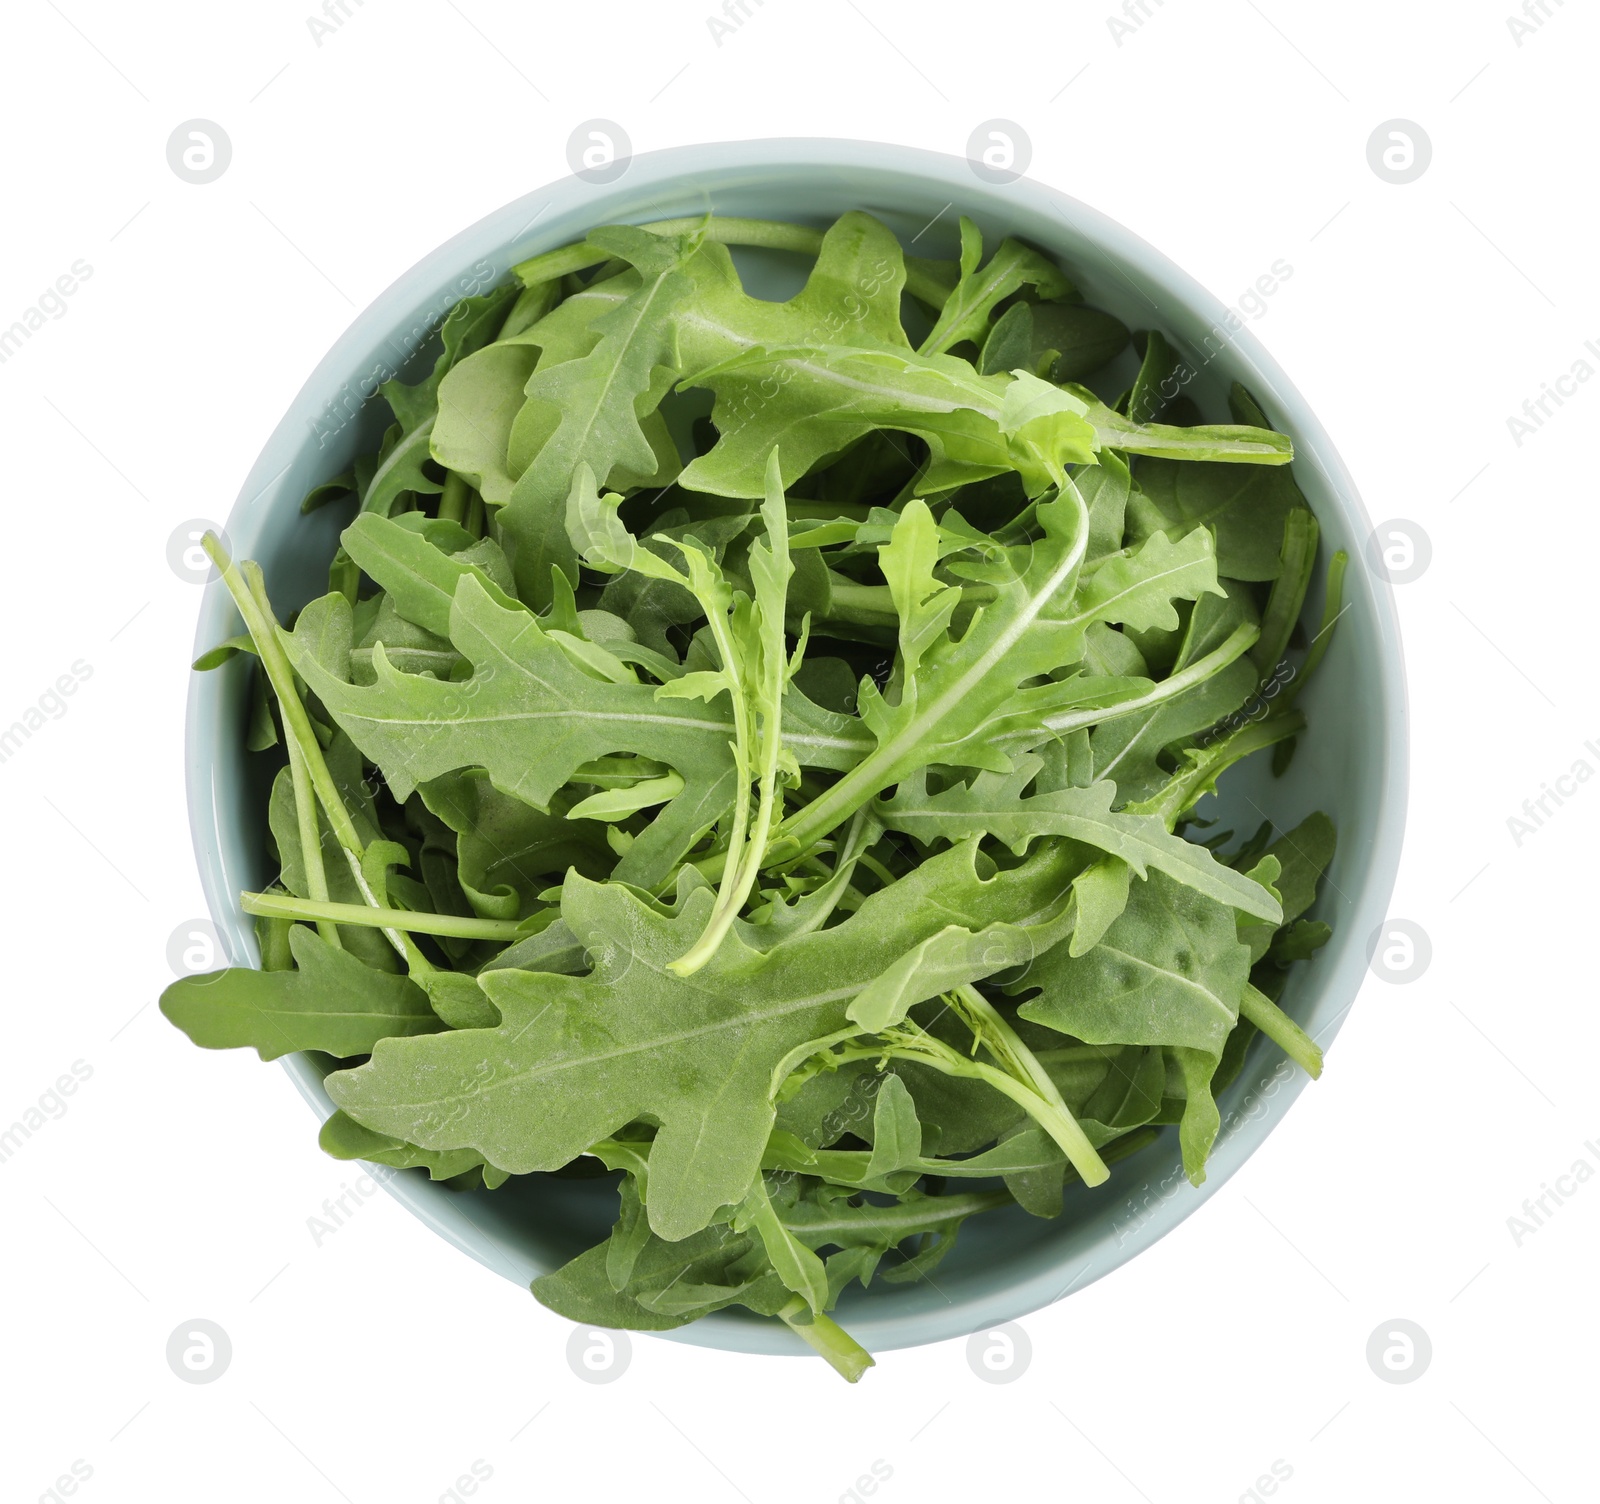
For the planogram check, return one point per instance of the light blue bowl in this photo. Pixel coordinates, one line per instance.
(1353, 765)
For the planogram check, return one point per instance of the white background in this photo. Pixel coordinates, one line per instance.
(381, 1365)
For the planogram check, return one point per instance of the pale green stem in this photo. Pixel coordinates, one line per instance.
(845, 1355)
(1057, 1121)
(462, 927)
(1282, 1030)
(1006, 1044)
(305, 811)
(305, 805)
(263, 629)
(456, 498)
(729, 896)
(1053, 1117)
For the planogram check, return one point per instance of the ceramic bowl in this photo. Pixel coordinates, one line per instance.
(1354, 766)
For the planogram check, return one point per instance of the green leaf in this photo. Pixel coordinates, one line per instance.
(1036, 623)
(344, 1138)
(576, 1058)
(1170, 971)
(966, 313)
(1247, 507)
(478, 402)
(597, 396)
(471, 324)
(330, 1002)
(994, 805)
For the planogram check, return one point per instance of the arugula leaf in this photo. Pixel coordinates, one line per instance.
(344, 1138)
(993, 804)
(597, 397)
(1170, 971)
(1037, 622)
(965, 315)
(329, 1002)
(577, 1058)
(398, 468)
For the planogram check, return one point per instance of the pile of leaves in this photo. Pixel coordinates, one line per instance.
(751, 748)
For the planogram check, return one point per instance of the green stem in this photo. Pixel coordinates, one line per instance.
(455, 499)
(1282, 1030)
(1296, 561)
(1053, 1117)
(1234, 646)
(892, 760)
(729, 894)
(1331, 612)
(1185, 790)
(867, 605)
(461, 927)
(305, 811)
(263, 629)
(845, 1355)
(1005, 1044)
(926, 280)
(305, 803)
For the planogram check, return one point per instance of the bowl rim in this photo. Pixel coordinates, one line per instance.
(547, 217)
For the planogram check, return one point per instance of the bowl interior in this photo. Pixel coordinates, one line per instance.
(1352, 766)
